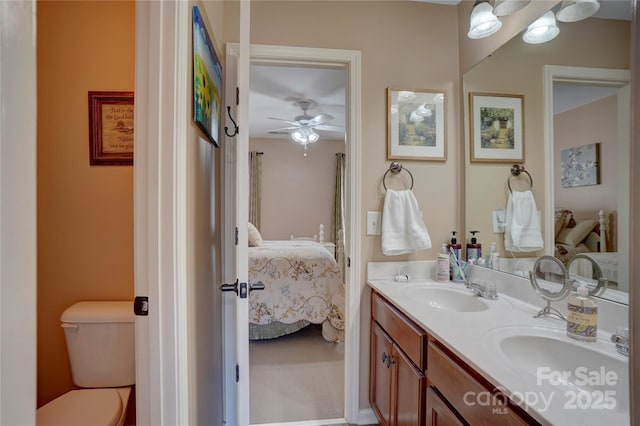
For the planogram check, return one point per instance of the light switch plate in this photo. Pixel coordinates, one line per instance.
(374, 225)
(499, 217)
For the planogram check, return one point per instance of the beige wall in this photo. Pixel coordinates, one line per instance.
(517, 68)
(591, 123)
(297, 191)
(403, 45)
(85, 213)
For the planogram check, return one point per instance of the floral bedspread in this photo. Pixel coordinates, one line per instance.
(302, 282)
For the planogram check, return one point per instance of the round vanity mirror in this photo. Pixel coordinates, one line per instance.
(583, 268)
(550, 278)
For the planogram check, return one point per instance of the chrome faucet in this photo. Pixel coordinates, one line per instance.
(488, 290)
(621, 339)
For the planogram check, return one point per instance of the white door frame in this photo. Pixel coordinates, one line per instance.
(349, 59)
(160, 184)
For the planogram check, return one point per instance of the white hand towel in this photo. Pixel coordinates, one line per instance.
(403, 229)
(522, 223)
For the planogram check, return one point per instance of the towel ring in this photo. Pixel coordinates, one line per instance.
(516, 170)
(395, 168)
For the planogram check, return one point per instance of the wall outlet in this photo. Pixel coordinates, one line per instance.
(374, 224)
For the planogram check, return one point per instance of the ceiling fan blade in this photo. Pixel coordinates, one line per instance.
(293, 123)
(329, 128)
(284, 128)
(319, 119)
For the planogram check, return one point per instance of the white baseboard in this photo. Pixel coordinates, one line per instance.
(367, 417)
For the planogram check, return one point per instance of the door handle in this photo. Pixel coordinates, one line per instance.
(257, 286)
(230, 287)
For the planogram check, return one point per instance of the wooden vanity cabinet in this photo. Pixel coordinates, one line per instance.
(398, 384)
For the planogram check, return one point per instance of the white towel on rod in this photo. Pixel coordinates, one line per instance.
(403, 229)
(522, 223)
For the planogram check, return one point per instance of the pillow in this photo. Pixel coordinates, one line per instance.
(255, 239)
(575, 235)
(562, 220)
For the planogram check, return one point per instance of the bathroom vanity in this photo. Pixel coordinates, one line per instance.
(441, 355)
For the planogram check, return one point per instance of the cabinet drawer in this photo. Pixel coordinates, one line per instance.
(411, 338)
(454, 380)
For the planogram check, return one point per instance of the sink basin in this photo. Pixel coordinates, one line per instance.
(590, 373)
(448, 299)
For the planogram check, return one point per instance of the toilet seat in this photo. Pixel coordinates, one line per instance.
(83, 407)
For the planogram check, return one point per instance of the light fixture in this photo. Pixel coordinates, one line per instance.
(304, 135)
(507, 7)
(542, 30)
(577, 10)
(483, 22)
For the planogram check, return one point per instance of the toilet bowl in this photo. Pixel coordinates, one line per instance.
(83, 407)
(100, 337)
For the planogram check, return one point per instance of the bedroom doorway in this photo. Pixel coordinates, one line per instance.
(349, 61)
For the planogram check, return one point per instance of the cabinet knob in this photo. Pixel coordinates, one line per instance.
(384, 357)
(390, 361)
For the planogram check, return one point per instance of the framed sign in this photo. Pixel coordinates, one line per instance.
(416, 125)
(207, 81)
(110, 128)
(497, 127)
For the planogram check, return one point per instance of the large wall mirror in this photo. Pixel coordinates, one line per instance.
(575, 111)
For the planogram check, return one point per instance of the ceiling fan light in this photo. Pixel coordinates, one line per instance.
(507, 7)
(483, 22)
(304, 135)
(542, 29)
(577, 10)
(423, 111)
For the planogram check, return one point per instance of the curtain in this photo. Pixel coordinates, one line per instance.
(255, 187)
(337, 219)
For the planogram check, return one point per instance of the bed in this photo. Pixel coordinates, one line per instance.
(589, 236)
(303, 285)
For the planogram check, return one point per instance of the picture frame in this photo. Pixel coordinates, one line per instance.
(207, 81)
(111, 138)
(496, 127)
(580, 166)
(416, 124)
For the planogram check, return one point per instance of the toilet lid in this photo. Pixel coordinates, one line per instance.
(82, 407)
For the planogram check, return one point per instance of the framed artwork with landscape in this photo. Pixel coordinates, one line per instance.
(207, 81)
(416, 125)
(496, 127)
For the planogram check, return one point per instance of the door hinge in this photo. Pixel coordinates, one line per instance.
(237, 95)
(236, 235)
(348, 262)
(141, 305)
(237, 373)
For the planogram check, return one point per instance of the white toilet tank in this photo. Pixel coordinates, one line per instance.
(101, 343)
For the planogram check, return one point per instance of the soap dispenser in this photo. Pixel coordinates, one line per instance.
(474, 248)
(582, 315)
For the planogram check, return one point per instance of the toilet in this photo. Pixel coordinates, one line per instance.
(101, 345)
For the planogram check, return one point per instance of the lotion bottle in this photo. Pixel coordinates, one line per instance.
(582, 316)
(474, 249)
(455, 262)
(442, 273)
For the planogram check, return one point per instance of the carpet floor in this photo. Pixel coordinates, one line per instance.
(296, 377)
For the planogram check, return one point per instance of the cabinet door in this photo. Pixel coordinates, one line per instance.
(409, 387)
(380, 367)
(439, 413)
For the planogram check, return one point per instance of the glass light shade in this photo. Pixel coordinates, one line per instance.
(483, 22)
(577, 10)
(542, 30)
(423, 111)
(507, 7)
(304, 135)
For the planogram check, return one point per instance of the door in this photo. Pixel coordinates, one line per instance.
(236, 264)
(381, 374)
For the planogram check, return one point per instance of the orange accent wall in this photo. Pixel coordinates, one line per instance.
(85, 213)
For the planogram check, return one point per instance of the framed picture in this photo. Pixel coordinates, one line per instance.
(497, 127)
(110, 128)
(207, 81)
(416, 125)
(580, 166)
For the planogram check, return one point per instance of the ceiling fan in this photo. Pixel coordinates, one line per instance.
(302, 128)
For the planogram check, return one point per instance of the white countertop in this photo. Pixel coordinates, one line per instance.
(473, 335)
